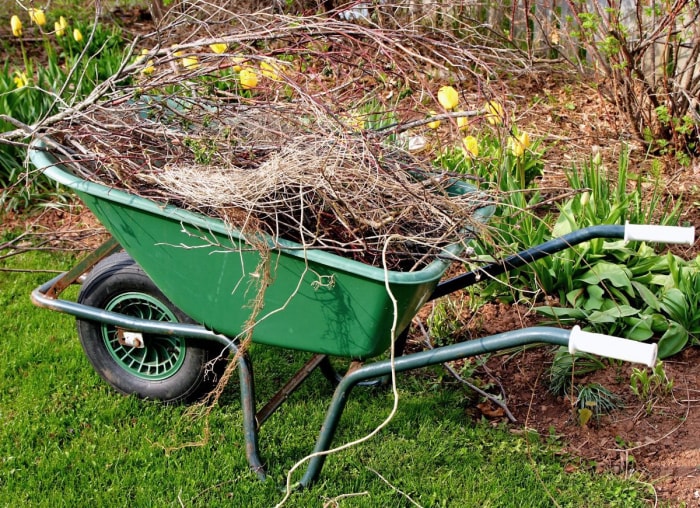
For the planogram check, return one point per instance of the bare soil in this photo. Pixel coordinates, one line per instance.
(660, 447)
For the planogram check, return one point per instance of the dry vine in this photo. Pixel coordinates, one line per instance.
(312, 152)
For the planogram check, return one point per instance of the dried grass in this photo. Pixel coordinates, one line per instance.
(315, 153)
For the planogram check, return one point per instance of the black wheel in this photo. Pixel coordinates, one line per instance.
(167, 368)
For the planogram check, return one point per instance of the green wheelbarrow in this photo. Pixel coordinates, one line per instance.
(168, 293)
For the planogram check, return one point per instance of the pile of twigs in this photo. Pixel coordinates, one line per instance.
(310, 151)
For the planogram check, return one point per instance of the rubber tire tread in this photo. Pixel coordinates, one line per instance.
(118, 274)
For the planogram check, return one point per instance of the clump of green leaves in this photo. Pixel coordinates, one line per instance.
(650, 384)
(566, 367)
(33, 88)
(597, 399)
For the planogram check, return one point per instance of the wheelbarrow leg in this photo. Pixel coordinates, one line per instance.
(332, 375)
(250, 426)
(415, 361)
(576, 339)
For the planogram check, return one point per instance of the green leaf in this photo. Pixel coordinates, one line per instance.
(618, 297)
(611, 315)
(659, 323)
(566, 223)
(640, 329)
(561, 312)
(671, 342)
(675, 304)
(595, 298)
(601, 317)
(618, 275)
(573, 296)
(661, 279)
(647, 295)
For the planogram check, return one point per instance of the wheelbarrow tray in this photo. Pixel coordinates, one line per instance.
(316, 301)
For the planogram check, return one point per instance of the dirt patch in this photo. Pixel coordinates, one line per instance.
(660, 447)
(65, 228)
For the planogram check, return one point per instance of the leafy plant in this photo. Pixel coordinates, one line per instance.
(49, 82)
(566, 367)
(648, 386)
(645, 56)
(597, 399)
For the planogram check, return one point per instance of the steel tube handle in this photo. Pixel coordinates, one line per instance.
(612, 347)
(661, 234)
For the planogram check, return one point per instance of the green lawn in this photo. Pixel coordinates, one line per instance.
(67, 439)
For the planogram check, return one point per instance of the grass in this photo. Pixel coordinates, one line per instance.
(68, 440)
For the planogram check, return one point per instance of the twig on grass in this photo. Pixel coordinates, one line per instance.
(492, 398)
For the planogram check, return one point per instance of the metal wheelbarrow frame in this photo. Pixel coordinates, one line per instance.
(413, 292)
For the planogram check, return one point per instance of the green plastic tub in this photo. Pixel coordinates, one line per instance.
(316, 301)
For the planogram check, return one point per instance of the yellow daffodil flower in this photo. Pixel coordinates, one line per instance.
(60, 27)
(77, 35)
(37, 16)
(470, 146)
(518, 144)
(355, 121)
(16, 25)
(448, 97)
(219, 47)
(248, 79)
(20, 79)
(149, 69)
(494, 113)
(435, 123)
(269, 70)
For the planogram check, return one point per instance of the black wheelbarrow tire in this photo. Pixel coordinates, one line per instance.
(168, 368)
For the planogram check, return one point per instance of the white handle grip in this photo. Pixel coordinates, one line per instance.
(662, 234)
(612, 347)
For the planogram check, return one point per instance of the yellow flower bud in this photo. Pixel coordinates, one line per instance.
(585, 198)
(524, 139)
(462, 121)
(190, 62)
(435, 123)
(269, 70)
(77, 35)
(448, 97)
(494, 113)
(470, 146)
(519, 144)
(238, 62)
(16, 25)
(20, 79)
(248, 79)
(355, 121)
(148, 69)
(60, 27)
(219, 47)
(37, 16)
